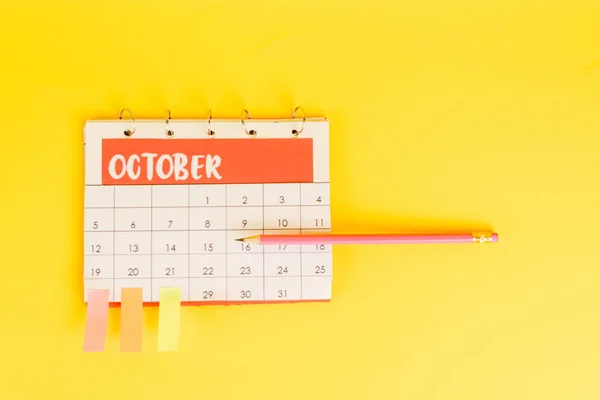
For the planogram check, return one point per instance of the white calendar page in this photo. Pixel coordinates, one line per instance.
(165, 211)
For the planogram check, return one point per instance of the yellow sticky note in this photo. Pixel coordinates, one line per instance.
(168, 319)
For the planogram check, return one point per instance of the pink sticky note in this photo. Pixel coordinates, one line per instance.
(96, 320)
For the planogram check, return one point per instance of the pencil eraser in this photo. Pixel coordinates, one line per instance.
(494, 237)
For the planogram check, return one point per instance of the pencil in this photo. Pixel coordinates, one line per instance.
(371, 238)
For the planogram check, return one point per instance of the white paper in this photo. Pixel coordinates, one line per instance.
(154, 236)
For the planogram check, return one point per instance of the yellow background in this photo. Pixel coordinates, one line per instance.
(444, 115)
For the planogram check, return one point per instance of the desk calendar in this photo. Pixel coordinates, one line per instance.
(165, 201)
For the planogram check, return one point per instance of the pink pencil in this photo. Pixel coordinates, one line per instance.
(372, 239)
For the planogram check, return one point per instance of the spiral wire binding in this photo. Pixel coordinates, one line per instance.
(128, 132)
(245, 115)
(248, 132)
(170, 132)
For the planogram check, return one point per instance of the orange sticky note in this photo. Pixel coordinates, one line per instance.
(96, 320)
(131, 319)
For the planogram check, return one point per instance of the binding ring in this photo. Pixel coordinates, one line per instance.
(294, 131)
(128, 132)
(170, 132)
(251, 132)
(209, 131)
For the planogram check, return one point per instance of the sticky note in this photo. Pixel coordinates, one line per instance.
(131, 319)
(96, 320)
(168, 319)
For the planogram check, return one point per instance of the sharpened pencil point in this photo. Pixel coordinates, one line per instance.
(240, 239)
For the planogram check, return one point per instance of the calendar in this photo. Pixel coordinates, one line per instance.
(165, 202)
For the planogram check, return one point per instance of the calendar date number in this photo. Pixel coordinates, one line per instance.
(282, 270)
(245, 270)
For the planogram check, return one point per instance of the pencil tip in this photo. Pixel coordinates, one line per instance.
(240, 239)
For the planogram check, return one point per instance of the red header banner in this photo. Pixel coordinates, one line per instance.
(206, 161)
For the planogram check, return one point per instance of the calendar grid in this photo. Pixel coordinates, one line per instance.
(300, 272)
